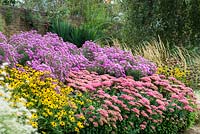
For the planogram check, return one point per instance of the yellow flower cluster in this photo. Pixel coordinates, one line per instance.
(176, 72)
(56, 103)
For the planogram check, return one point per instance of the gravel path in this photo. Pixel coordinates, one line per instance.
(194, 130)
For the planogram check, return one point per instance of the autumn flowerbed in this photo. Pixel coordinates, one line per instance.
(91, 89)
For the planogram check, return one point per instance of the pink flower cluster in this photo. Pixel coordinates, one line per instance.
(124, 99)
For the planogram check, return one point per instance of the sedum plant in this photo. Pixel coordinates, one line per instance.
(155, 104)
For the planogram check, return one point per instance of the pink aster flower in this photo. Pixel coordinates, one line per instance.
(105, 106)
(153, 127)
(178, 107)
(159, 111)
(114, 125)
(83, 108)
(127, 109)
(125, 116)
(155, 121)
(101, 122)
(94, 117)
(138, 84)
(154, 107)
(137, 95)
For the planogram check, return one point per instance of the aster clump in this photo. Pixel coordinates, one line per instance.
(145, 106)
(47, 53)
(114, 61)
(51, 53)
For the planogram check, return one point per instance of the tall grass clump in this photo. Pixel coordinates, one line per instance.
(179, 62)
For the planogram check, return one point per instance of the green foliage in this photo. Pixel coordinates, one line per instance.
(175, 21)
(95, 16)
(8, 16)
(176, 121)
(95, 13)
(54, 9)
(193, 77)
(94, 130)
(76, 35)
(8, 2)
(2, 24)
(25, 57)
(34, 19)
(137, 74)
(92, 17)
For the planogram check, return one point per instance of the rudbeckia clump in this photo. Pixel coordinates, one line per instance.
(58, 107)
(189, 75)
(155, 104)
(13, 116)
(174, 71)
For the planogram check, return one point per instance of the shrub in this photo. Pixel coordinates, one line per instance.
(175, 21)
(154, 104)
